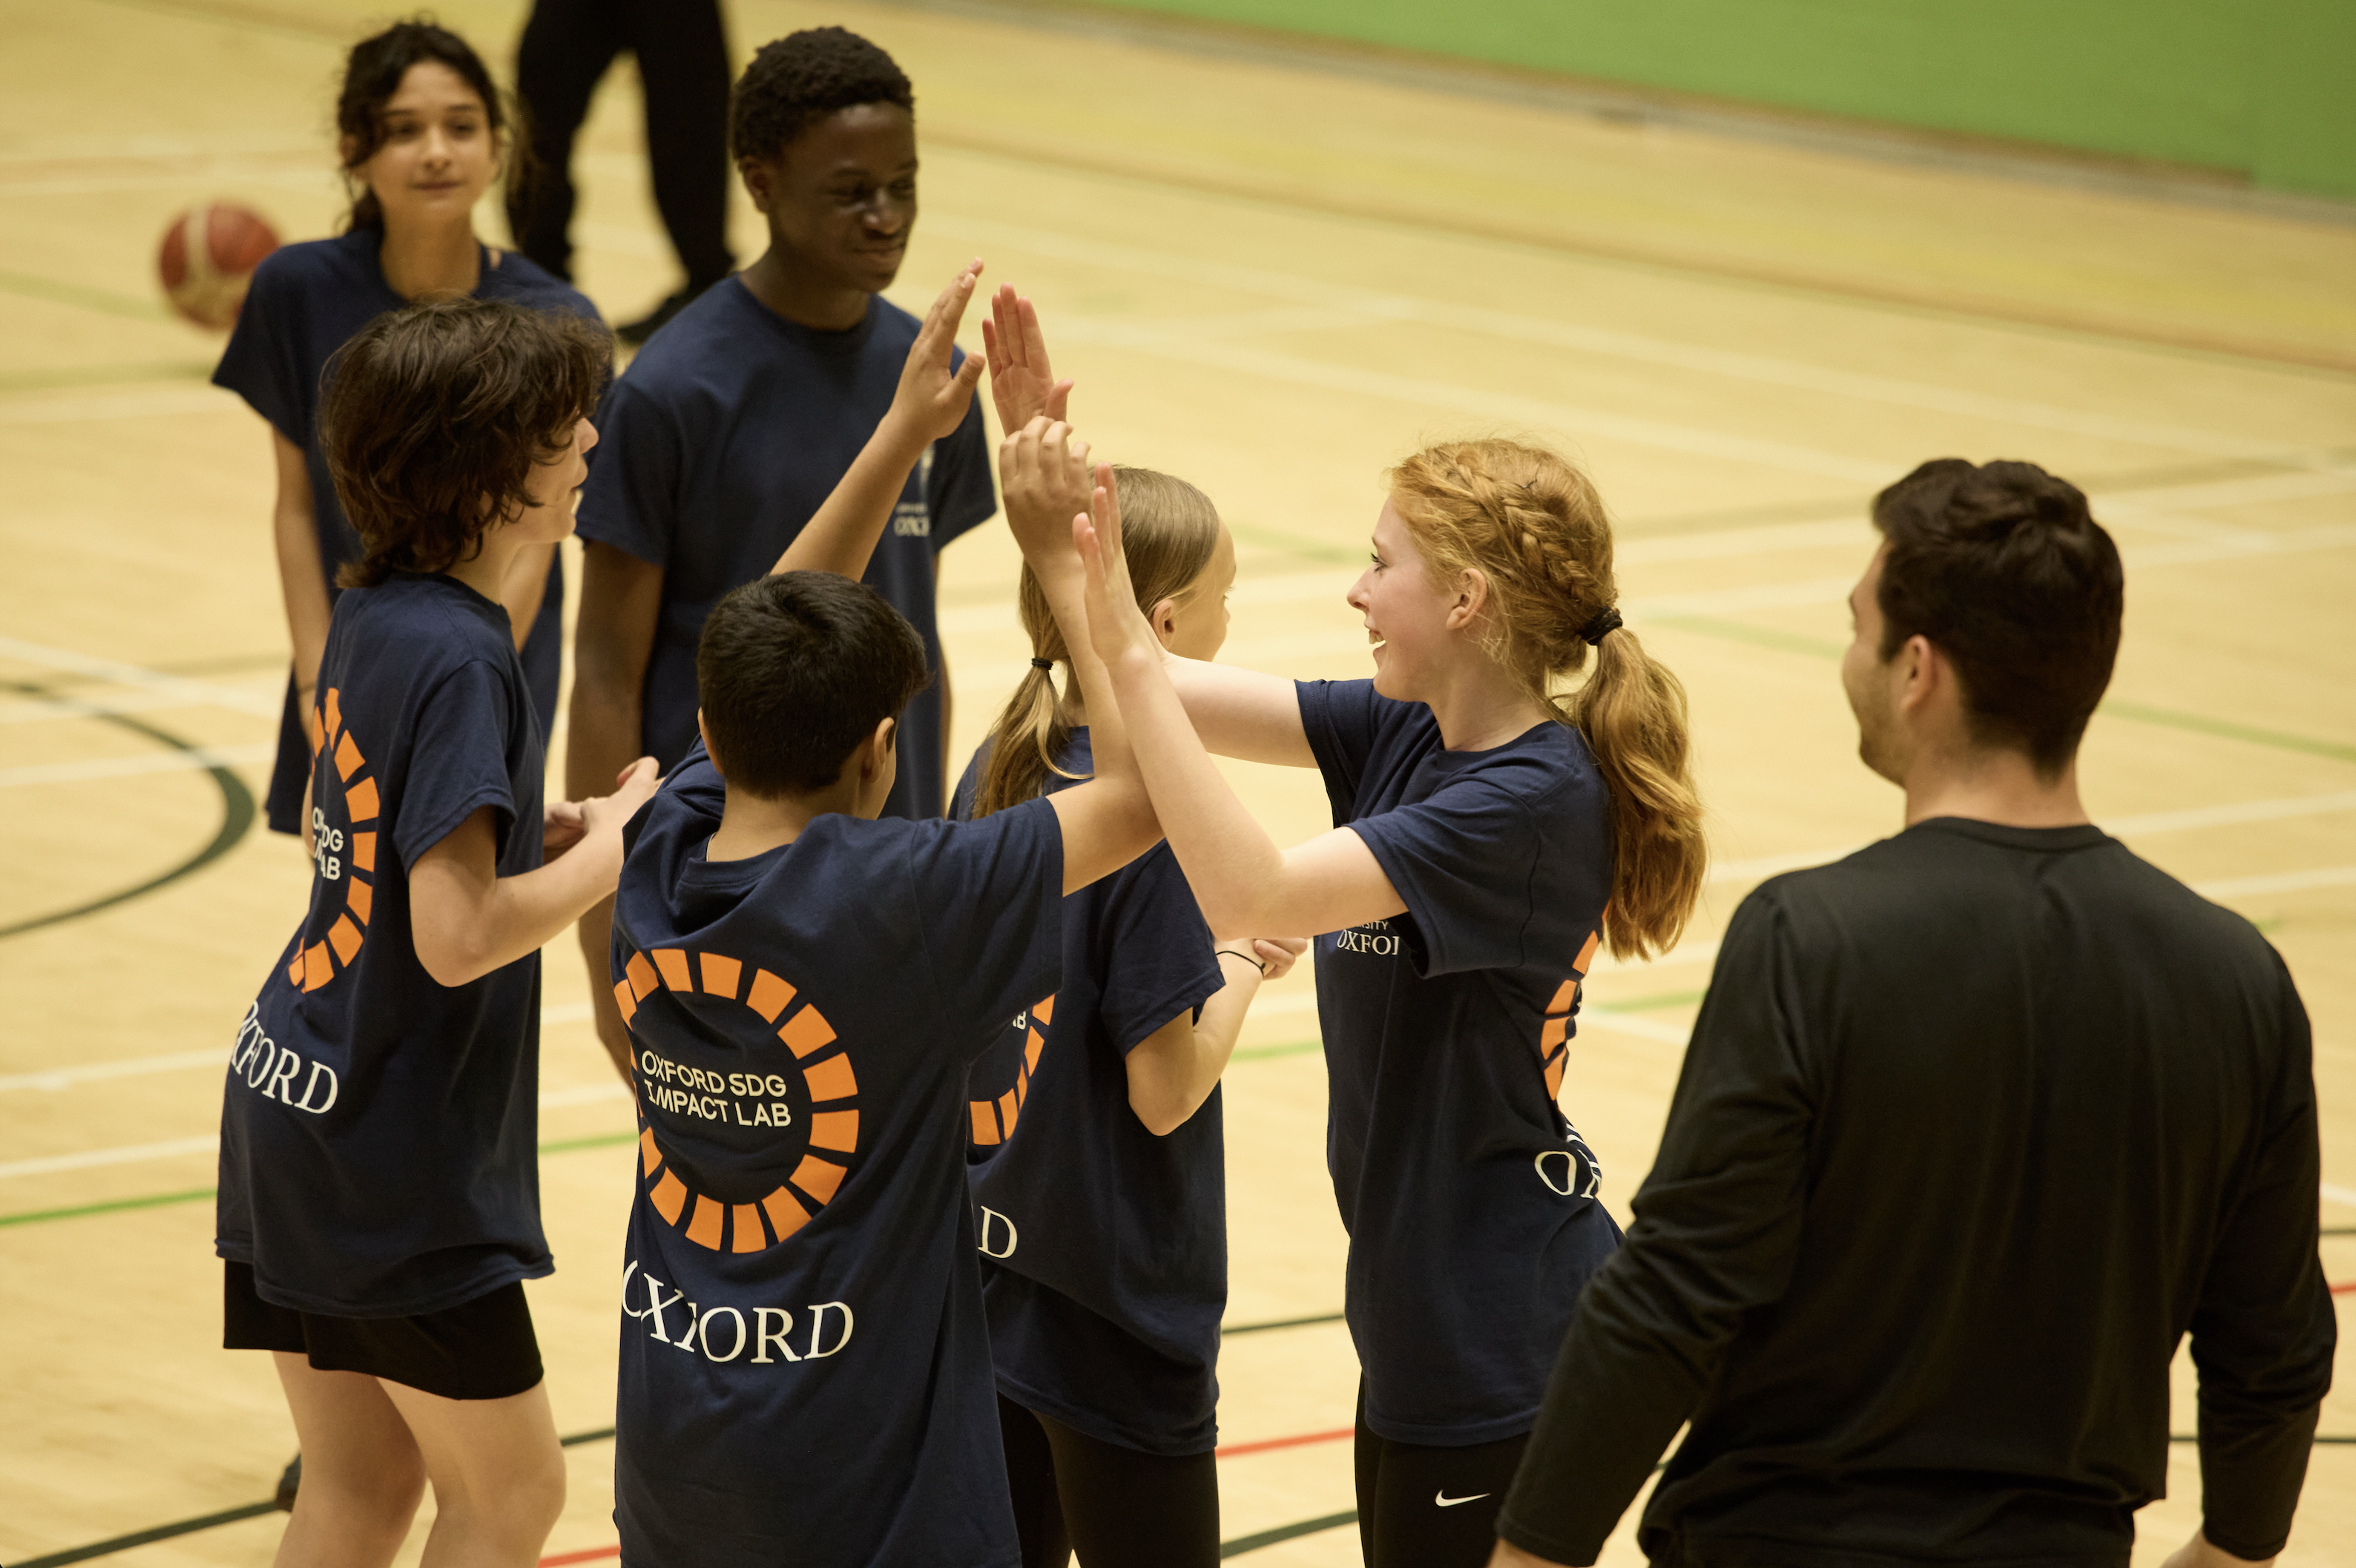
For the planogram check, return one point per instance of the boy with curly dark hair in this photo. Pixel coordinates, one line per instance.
(738, 419)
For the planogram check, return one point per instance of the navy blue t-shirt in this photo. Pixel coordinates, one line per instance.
(805, 1370)
(722, 439)
(307, 302)
(1106, 1245)
(1469, 1199)
(379, 1132)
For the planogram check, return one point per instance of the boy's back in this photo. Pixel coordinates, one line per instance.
(1977, 1123)
(805, 1365)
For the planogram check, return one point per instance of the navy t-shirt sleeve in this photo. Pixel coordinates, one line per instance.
(1345, 721)
(631, 500)
(262, 363)
(1158, 952)
(990, 896)
(961, 495)
(457, 762)
(1462, 860)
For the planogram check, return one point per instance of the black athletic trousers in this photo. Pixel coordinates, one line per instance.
(1117, 1507)
(682, 56)
(1420, 1507)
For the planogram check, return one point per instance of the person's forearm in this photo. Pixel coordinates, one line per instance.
(596, 934)
(526, 587)
(1236, 869)
(949, 716)
(1243, 713)
(1172, 1074)
(1110, 749)
(843, 536)
(303, 583)
(516, 916)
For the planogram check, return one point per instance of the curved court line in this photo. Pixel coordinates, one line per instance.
(237, 820)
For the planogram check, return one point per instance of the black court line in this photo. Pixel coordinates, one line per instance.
(1227, 1330)
(1244, 1544)
(237, 819)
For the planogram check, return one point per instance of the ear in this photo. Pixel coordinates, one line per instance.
(1922, 673)
(714, 751)
(760, 182)
(1164, 620)
(877, 748)
(1472, 598)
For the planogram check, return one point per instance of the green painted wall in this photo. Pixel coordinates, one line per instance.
(2264, 88)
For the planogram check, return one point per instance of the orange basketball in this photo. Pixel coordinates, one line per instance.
(207, 259)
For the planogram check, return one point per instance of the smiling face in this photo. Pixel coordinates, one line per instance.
(841, 196)
(1407, 613)
(1198, 627)
(439, 154)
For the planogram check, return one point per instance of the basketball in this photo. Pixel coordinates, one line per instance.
(207, 258)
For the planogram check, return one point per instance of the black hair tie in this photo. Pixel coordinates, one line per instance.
(1043, 664)
(1606, 619)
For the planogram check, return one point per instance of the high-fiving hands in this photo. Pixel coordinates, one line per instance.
(932, 398)
(1021, 383)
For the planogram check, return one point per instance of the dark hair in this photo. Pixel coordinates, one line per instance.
(794, 671)
(1169, 531)
(373, 73)
(433, 420)
(2004, 569)
(804, 77)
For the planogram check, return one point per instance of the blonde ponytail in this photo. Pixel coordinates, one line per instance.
(1533, 524)
(1169, 531)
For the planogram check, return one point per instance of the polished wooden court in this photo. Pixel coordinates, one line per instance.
(1273, 273)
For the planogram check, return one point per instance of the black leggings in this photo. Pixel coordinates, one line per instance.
(1117, 1507)
(1431, 1507)
(682, 54)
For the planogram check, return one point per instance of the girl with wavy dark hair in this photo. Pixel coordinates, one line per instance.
(423, 135)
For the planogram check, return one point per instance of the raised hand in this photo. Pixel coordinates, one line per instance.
(562, 826)
(1115, 623)
(1020, 380)
(1042, 468)
(932, 398)
(632, 789)
(1279, 954)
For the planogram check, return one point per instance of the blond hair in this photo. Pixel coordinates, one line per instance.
(1168, 530)
(1532, 524)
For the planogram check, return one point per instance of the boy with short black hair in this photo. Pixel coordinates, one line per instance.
(736, 421)
(1974, 1126)
(805, 1370)
(379, 1196)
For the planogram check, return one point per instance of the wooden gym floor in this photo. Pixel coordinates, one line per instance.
(1272, 274)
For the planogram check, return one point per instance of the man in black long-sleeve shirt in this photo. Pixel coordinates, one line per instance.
(1973, 1127)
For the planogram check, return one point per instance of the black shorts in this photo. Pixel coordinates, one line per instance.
(482, 1349)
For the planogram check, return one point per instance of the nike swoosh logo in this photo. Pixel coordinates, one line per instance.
(1441, 1499)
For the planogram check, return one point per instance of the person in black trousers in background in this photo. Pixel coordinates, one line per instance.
(1974, 1126)
(682, 54)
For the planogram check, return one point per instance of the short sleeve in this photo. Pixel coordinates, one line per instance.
(264, 361)
(1157, 952)
(1463, 862)
(990, 894)
(631, 500)
(457, 762)
(1345, 721)
(961, 496)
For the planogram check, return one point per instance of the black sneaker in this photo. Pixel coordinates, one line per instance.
(635, 333)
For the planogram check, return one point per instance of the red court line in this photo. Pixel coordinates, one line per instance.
(1232, 1451)
(2343, 1289)
(1236, 1450)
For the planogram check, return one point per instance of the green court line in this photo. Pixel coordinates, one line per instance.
(39, 288)
(2115, 708)
(106, 376)
(1269, 1052)
(197, 1194)
(1666, 999)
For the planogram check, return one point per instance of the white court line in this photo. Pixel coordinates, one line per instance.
(202, 757)
(2286, 882)
(192, 692)
(38, 710)
(118, 406)
(1371, 306)
(2340, 1194)
(60, 1078)
(125, 1154)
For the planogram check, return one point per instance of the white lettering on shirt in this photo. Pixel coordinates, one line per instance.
(268, 1066)
(1569, 1186)
(327, 846)
(988, 1214)
(1376, 937)
(720, 1342)
(685, 1091)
